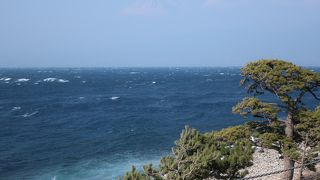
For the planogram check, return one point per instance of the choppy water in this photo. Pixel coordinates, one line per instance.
(94, 123)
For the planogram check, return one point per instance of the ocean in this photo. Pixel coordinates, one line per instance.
(94, 123)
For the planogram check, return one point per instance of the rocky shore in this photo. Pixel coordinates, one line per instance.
(269, 161)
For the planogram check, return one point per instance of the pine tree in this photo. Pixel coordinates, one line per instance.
(199, 156)
(289, 83)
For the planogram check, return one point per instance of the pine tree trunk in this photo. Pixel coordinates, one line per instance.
(303, 157)
(288, 163)
(289, 125)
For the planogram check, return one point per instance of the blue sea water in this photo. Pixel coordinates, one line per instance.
(94, 123)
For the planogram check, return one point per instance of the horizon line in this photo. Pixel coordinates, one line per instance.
(97, 67)
(122, 67)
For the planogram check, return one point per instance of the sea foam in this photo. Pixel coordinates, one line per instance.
(30, 114)
(55, 80)
(63, 80)
(50, 79)
(5, 79)
(114, 98)
(16, 108)
(22, 80)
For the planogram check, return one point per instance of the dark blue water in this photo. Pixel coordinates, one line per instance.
(94, 123)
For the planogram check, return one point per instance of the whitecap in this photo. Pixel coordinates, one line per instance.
(154, 82)
(30, 114)
(50, 79)
(221, 73)
(133, 72)
(81, 97)
(16, 108)
(5, 79)
(22, 80)
(114, 98)
(55, 80)
(63, 80)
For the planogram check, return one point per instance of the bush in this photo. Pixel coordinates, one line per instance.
(200, 156)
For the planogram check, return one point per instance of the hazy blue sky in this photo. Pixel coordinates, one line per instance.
(157, 32)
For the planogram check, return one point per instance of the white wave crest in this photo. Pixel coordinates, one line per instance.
(114, 97)
(50, 79)
(16, 108)
(30, 114)
(63, 80)
(22, 80)
(5, 79)
(55, 80)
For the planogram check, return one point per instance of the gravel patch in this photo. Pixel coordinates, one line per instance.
(269, 161)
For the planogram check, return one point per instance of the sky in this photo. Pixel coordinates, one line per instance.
(152, 33)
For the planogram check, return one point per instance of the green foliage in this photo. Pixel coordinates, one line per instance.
(283, 79)
(309, 124)
(135, 175)
(149, 174)
(268, 139)
(289, 83)
(290, 149)
(200, 156)
(232, 160)
(309, 133)
(256, 108)
(190, 156)
(232, 134)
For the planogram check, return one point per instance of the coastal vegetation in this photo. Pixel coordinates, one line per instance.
(225, 154)
(219, 154)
